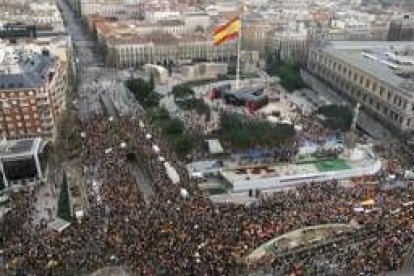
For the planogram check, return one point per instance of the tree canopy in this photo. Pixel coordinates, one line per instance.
(243, 133)
(338, 117)
(289, 74)
(144, 91)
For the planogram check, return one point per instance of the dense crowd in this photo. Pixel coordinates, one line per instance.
(172, 235)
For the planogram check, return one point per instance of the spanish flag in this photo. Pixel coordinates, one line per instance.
(228, 31)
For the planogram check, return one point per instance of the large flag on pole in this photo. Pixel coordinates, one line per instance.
(227, 32)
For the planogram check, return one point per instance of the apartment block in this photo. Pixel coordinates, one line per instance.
(33, 85)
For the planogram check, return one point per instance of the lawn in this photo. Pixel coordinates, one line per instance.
(331, 165)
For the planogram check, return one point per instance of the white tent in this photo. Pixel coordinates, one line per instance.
(172, 173)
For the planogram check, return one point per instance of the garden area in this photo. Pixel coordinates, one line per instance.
(181, 141)
(143, 91)
(243, 133)
(184, 97)
(336, 117)
(289, 74)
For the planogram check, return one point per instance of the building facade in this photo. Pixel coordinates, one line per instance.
(164, 49)
(402, 29)
(33, 86)
(379, 75)
(23, 162)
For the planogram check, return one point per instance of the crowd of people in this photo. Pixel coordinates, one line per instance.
(173, 235)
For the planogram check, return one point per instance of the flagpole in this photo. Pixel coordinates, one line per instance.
(239, 49)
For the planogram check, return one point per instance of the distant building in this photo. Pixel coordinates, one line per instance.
(402, 29)
(15, 31)
(136, 43)
(33, 86)
(377, 74)
(292, 45)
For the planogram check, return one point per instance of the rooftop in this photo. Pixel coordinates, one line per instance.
(22, 68)
(380, 59)
(157, 38)
(16, 148)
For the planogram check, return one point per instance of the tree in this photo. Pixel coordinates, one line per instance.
(174, 127)
(336, 116)
(289, 74)
(242, 132)
(183, 144)
(152, 82)
(63, 201)
(144, 91)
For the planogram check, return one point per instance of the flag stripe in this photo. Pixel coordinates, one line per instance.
(225, 26)
(234, 27)
(225, 38)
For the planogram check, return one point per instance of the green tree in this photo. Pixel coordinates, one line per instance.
(144, 91)
(183, 144)
(63, 201)
(152, 82)
(289, 74)
(242, 132)
(174, 127)
(336, 116)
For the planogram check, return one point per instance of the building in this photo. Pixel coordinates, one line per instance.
(205, 70)
(260, 177)
(134, 43)
(291, 44)
(16, 31)
(402, 29)
(23, 162)
(34, 79)
(379, 75)
(44, 15)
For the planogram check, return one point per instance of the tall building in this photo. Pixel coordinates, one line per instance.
(33, 85)
(379, 75)
(402, 29)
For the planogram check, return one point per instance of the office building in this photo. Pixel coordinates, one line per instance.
(377, 74)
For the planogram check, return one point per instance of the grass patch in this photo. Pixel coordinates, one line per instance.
(331, 165)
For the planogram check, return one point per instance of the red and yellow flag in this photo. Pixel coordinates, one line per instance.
(228, 31)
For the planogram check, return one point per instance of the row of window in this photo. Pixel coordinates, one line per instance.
(367, 99)
(360, 80)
